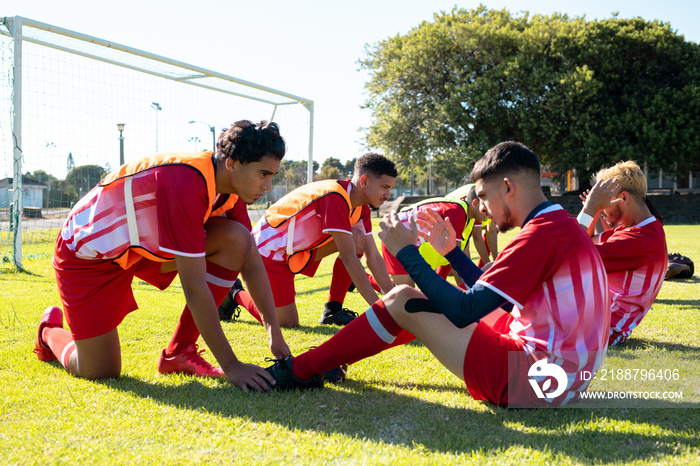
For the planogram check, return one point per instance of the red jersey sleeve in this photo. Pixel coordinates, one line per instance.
(628, 248)
(366, 219)
(334, 213)
(182, 199)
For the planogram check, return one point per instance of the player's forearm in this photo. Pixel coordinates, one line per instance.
(378, 268)
(255, 276)
(359, 278)
(480, 245)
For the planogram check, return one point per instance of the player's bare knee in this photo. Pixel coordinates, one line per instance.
(228, 237)
(395, 300)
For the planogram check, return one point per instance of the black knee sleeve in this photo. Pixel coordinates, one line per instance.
(420, 305)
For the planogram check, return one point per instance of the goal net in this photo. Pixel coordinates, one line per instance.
(73, 106)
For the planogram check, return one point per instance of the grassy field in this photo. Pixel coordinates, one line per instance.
(400, 407)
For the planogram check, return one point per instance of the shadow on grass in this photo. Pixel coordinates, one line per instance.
(327, 330)
(360, 410)
(633, 343)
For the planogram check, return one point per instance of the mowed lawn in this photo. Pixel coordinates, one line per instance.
(399, 407)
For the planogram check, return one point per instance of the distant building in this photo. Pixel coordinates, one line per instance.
(32, 197)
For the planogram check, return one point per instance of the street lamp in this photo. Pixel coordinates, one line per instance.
(213, 133)
(156, 106)
(195, 139)
(120, 127)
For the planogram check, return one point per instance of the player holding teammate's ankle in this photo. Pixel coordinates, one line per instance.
(154, 218)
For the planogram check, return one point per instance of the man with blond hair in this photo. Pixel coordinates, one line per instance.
(633, 245)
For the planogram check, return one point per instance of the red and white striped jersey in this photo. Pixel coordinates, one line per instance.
(312, 225)
(635, 259)
(556, 280)
(157, 212)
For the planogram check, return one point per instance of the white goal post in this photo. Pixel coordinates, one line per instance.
(74, 106)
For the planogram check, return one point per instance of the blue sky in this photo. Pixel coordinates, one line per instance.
(309, 48)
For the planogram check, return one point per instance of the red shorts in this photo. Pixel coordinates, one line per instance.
(282, 279)
(97, 295)
(393, 266)
(495, 360)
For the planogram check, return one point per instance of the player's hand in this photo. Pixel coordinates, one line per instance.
(583, 196)
(250, 377)
(440, 233)
(395, 235)
(602, 195)
(279, 348)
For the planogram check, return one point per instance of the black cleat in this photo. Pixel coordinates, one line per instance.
(335, 314)
(336, 375)
(281, 370)
(229, 310)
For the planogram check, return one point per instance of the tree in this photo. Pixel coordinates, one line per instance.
(332, 168)
(292, 173)
(581, 94)
(84, 178)
(349, 168)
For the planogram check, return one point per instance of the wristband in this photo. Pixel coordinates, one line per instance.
(584, 219)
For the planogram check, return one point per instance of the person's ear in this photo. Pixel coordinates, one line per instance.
(509, 185)
(230, 164)
(363, 181)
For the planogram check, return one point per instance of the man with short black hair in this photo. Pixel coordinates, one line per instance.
(550, 273)
(319, 219)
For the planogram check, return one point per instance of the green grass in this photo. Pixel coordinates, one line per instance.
(399, 407)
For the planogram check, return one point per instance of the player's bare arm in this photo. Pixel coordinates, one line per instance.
(192, 271)
(258, 285)
(376, 264)
(347, 252)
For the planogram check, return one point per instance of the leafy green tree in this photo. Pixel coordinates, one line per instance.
(582, 94)
(332, 168)
(84, 178)
(349, 168)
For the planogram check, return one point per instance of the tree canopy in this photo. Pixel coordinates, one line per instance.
(582, 94)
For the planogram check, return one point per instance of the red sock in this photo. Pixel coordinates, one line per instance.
(340, 281)
(444, 271)
(370, 333)
(374, 284)
(61, 343)
(220, 280)
(243, 298)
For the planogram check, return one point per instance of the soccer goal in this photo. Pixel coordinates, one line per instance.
(75, 107)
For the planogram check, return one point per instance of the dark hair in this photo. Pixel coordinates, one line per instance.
(376, 164)
(653, 210)
(471, 195)
(505, 158)
(247, 142)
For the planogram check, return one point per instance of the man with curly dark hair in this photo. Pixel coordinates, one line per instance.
(154, 218)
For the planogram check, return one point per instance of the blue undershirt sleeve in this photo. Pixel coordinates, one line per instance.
(463, 265)
(460, 307)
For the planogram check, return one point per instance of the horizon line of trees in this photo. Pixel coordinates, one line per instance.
(581, 94)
